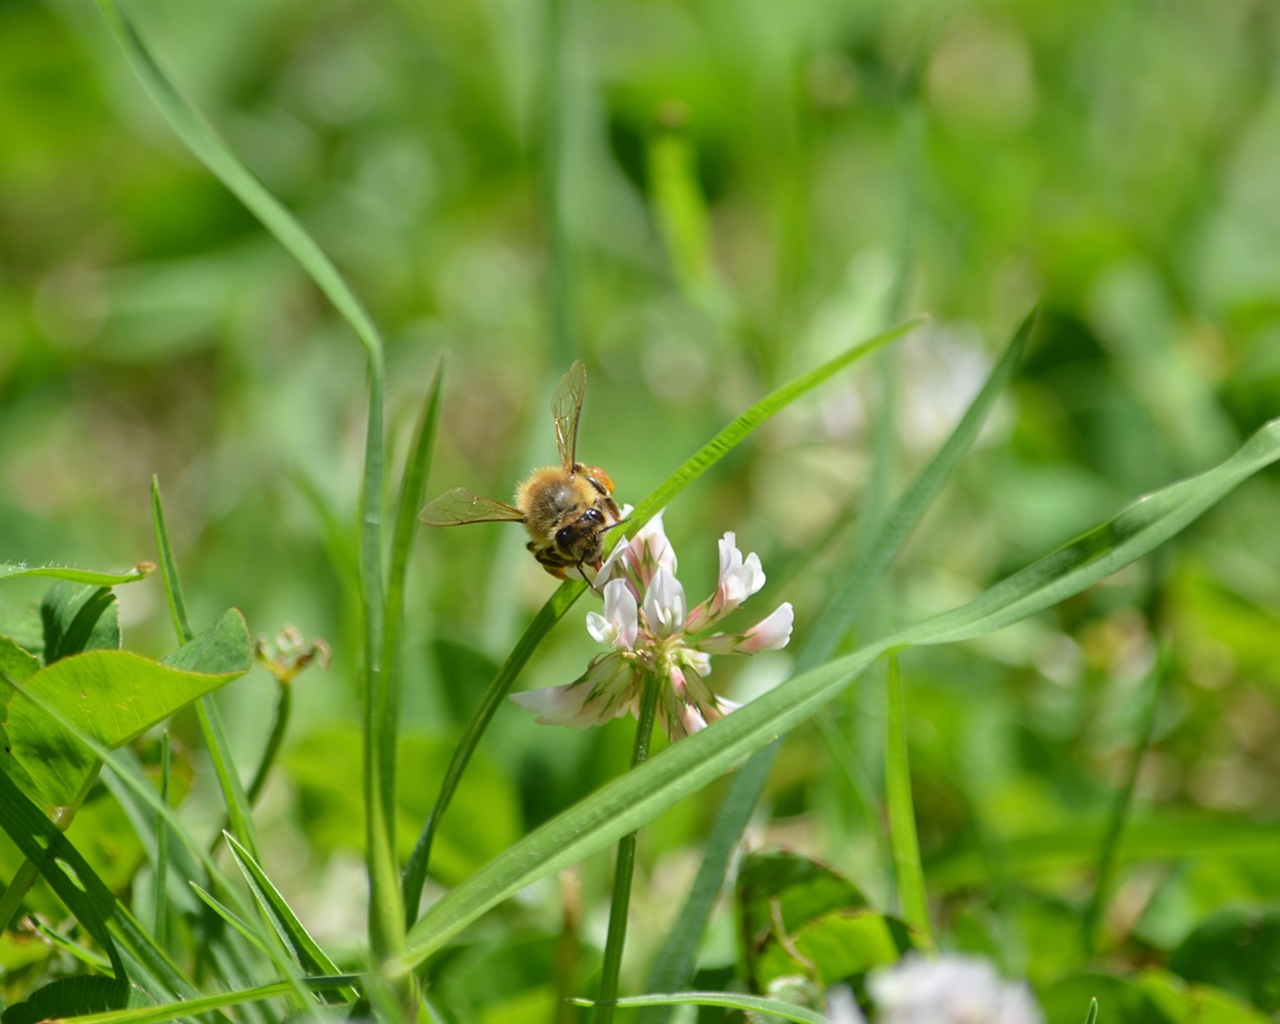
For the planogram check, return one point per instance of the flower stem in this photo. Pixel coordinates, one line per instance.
(617, 934)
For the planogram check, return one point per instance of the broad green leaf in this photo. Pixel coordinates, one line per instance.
(73, 997)
(834, 946)
(1197, 1004)
(112, 696)
(781, 888)
(1238, 951)
(1120, 1001)
(78, 618)
(624, 804)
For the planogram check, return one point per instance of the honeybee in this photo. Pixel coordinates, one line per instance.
(567, 509)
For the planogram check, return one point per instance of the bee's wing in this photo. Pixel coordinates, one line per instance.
(458, 506)
(566, 407)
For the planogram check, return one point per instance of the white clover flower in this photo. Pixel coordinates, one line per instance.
(949, 990)
(651, 631)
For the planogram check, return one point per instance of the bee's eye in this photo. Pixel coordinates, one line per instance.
(563, 535)
(594, 515)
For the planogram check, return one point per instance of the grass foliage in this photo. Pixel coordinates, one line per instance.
(977, 306)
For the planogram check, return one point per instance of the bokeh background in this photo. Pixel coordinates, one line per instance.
(701, 201)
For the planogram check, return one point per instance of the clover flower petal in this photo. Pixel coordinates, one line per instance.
(652, 634)
(620, 623)
(949, 990)
(604, 692)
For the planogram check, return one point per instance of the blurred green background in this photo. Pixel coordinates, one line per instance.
(701, 201)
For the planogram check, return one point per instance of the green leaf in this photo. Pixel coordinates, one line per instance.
(112, 696)
(833, 947)
(781, 888)
(72, 997)
(1238, 951)
(1196, 1004)
(78, 618)
(1120, 1001)
(623, 805)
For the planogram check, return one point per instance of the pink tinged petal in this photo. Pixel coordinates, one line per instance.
(770, 634)
(664, 604)
(739, 579)
(619, 624)
(603, 693)
(655, 550)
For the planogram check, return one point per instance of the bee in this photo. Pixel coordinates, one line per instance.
(567, 509)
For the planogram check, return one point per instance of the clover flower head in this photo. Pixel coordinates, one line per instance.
(651, 632)
(949, 990)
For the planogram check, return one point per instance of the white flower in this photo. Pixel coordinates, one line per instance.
(651, 633)
(949, 990)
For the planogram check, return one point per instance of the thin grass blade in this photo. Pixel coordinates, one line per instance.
(902, 815)
(732, 1000)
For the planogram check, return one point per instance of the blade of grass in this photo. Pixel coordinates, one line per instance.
(306, 952)
(624, 804)
(902, 815)
(207, 714)
(160, 925)
(386, 916)
(1109, 851)
(227, 915)
(200, 1004)
(747, 1004)
(568, 592)
(673, 966)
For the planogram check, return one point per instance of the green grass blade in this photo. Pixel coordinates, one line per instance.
(902, 815)
(736, 432)
(209, 148)
(412, 490)
(1091, 1015)
(160, 919)
(60, 864)
(732, 1000)
(231, 918)
(169, 567)
(197, 1005)
(560, 602)
(905, 515)
(306, 952)
(1109, 849)
(1095, 554)
(673, 966)
(627, 803)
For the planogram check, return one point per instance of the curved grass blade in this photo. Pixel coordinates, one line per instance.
(568, 592)
(838, 616)
(87, 576)
(1095, 554)
(385, 919)
(732, 1000)
(203, 1004)
(628, 802)
(673, 966)
(231, 918)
